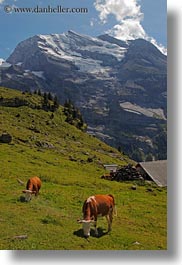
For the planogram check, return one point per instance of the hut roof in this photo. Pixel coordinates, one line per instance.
(157, 171)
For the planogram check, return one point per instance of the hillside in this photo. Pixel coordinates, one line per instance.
(47, 132)
(70, 163)
(120, 87)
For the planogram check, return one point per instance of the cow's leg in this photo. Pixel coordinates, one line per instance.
(95, 226)
(109, 220)
(36, 190)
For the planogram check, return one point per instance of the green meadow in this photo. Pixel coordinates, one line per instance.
(70, 165)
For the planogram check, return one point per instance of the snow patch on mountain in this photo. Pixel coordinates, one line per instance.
(4, 64)
(39, 74)
(149, 112)
(79, 50)
(1, 61)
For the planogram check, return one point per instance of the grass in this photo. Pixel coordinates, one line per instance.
(50, 220)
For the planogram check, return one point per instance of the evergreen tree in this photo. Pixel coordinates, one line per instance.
(45, 98)
(50, 97)
(55, 103)
(39, 92)
(73, 115)
(45, 103)
(119, 149)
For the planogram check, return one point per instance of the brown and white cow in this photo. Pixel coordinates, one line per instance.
(95, 206)
(33, 186)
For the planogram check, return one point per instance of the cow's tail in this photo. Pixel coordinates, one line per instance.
(114, 205)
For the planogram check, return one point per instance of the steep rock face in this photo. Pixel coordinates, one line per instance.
(119, 86)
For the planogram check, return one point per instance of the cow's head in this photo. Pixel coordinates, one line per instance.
(28, 194)
(86, 226)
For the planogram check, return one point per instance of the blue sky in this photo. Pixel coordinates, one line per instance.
(124, 19)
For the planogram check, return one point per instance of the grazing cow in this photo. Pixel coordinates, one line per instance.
(33, 187)
(95, 206)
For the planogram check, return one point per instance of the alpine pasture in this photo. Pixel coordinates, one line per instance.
(69, 162)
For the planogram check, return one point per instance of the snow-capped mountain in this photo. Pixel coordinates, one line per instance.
(119, 86)
(1, 61)
(84, 53)
(75, 56)
(4, 64)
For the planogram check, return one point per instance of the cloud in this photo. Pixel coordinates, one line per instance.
(128, 29)
(128, 16)
(119, 8)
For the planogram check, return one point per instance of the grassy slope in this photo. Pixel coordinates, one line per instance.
(50, 219)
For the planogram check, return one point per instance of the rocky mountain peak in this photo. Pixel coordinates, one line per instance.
(119, 86)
